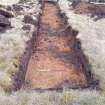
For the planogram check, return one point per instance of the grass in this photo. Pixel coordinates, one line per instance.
(71, 97)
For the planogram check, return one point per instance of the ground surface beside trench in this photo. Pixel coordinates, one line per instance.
(57, 60)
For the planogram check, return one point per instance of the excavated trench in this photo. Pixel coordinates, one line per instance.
(54, 58)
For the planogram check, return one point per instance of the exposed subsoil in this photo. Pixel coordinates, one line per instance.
(57, 60)
(54, 59)
(90, 8)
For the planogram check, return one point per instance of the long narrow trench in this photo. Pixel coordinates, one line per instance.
(53, 59)
(57, 60)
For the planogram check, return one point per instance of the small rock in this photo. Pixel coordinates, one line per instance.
(30, 19)
(26, 27)
(24, 1)
(6, 13)
(9, 8)
(75, 32)
(1, 29)
(4, 22)
(17, 7)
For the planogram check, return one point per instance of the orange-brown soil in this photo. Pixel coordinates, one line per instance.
(56, 60)
(89, 8)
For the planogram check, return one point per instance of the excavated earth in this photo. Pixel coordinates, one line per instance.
(54, 58)
(57, 60)
(90, 8)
